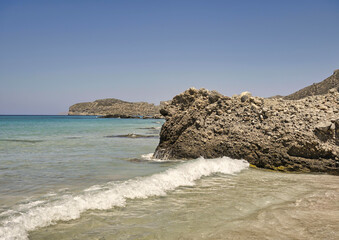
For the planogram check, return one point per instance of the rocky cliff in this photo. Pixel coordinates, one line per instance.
(114, 107)
(286, 135)
(317, 88)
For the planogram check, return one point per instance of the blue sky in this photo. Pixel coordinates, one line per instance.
(57, 53)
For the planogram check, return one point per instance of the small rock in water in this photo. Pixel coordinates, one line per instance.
(132, 135)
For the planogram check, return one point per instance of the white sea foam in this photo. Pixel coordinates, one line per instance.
(147, 156)
(30, 205)
(115, 194)
(150, 157)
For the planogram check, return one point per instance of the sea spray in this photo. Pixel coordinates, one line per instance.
(150, 157)
(115, 194)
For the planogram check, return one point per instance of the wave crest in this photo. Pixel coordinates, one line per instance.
(116, 194)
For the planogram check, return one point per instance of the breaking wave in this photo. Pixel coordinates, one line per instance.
(114, 194)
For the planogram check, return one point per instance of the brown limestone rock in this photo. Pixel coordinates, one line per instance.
(273, 133)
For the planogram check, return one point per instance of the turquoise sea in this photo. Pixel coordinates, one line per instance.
(83, 177)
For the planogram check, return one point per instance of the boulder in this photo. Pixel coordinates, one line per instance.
(244, 96)
(325, 130)
(336, 123)
(277, 134)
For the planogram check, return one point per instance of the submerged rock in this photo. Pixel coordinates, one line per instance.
(133, 135)
(287, 135)
(118, 116)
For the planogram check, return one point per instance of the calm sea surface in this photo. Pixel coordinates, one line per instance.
(80, 177)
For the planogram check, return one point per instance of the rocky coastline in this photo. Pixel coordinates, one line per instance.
(271, 133)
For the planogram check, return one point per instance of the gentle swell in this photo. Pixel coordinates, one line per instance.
(116, 194)
(21, 140)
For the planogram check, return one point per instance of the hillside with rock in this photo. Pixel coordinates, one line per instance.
(317, 88)
(114, 107)
(286, 135)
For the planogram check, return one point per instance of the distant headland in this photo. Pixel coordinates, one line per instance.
(115, 108)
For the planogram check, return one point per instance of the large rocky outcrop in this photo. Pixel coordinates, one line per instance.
(287, 135)
(317, 88)
(114, 107)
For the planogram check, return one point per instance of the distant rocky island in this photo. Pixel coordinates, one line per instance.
(115, 108)
(299, 132)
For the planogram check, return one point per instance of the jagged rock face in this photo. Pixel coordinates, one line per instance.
(298, 135)
(317, 88)
(112, 106)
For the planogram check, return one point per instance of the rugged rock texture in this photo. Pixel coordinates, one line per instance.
(114, 107)
(317, 88)
(286, 135)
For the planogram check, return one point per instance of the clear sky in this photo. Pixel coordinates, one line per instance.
(57, 53)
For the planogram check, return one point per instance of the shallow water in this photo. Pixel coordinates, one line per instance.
(252, 205)
(74, 183)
